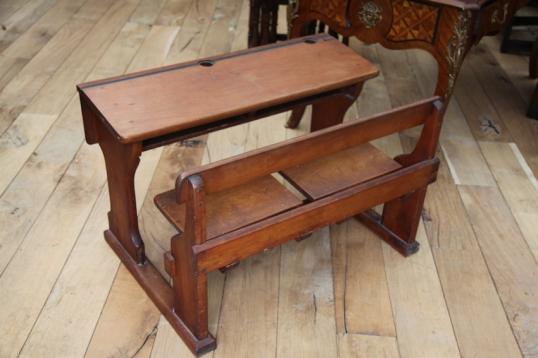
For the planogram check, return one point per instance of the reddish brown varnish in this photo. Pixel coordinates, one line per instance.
(156, 102)
(232, 209)
(339, 171)
(226, 211)
(224, 218)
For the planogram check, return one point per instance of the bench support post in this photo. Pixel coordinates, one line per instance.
(164, 296)
(190, 284)
(373, 221)
(402, 215)
(399, 223)
(190, 289)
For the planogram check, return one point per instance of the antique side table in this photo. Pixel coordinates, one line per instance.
(444, 28)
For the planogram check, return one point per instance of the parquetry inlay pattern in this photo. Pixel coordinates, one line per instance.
(412, 21)
(333, 9)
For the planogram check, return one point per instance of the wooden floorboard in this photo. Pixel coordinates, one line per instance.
(470, 291)
(454, 246)
(24, 48)
(26, 131)
(62, 304)
(9, 7)
(22, 88)
(357, 256)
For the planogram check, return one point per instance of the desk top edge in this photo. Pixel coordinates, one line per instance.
(85, 89)
(157, 70)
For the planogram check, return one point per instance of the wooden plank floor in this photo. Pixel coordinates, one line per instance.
(471, 291)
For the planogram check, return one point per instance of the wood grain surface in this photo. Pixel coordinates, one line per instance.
(392, 307)
(186, 95)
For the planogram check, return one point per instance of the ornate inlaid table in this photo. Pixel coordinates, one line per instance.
(444, 28)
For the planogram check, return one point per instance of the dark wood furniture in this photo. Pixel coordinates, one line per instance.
(444, 28)
(532, 111)
(129, 114)
(230, 210)
(263, 21)
(525, 18)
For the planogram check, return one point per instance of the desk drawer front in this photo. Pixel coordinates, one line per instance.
(395, 21)
(377, 20)
(370, 19)
(332, 9)
(413, 20)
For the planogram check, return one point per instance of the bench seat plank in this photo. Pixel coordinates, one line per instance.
(234, 208)
(339, 171)
(178, 97)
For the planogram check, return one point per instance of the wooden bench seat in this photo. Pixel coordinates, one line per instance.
(234, 208)
(338, 171)
(264, 197)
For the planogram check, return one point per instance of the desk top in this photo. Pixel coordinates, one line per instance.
(147, 104)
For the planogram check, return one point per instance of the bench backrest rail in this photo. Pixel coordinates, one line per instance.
(193, 185)
(245, 167)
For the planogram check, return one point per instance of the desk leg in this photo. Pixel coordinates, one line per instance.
(121, 162)
(325, 113)
(452, 46)
(295, 117)
(331, 111)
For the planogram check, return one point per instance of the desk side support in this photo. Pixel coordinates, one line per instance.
(121, 161)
